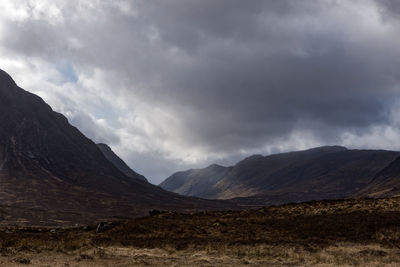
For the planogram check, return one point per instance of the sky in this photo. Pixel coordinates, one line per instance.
(178, 84)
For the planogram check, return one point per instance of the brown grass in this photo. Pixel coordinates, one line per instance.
(324, 233)
(346, 254)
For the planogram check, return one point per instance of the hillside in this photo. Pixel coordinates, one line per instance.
(319, 173)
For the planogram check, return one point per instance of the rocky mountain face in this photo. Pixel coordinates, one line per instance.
(49, 167)
(319, 173)
(196, 182)
(119, 163)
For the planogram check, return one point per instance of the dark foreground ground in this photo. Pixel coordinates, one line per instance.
(323, 233)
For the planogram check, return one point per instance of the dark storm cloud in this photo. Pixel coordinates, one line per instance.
(253, 70)
(230, 75)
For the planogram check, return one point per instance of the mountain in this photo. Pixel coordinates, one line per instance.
(51, 173)
(195, 182)
(119, 163)
(321, 173)
(386, 183)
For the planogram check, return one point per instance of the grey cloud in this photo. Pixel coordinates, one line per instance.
(266, 91)
(90, 127)
(389, 8)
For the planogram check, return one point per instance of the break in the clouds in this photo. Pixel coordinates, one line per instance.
(183, 83)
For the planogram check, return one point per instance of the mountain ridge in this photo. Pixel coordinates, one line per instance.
(318, 173)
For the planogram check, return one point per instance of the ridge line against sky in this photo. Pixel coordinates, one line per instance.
(179, 84)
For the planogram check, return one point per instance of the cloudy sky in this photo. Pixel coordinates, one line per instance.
(177, 84)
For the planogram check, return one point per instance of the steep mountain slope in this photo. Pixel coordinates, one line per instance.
(195, 182)
(49, 166)
(119, 163)
(319, 173)
(386, 183)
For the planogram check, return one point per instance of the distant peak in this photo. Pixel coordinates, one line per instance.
(328, 148)
(104, 145)
(215, 166)
(254, 157)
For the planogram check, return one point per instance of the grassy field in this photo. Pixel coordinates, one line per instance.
(363, 232)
